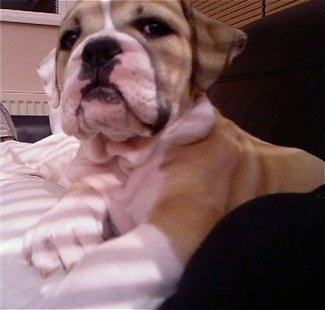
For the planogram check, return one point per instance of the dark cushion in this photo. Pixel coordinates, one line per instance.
(264, 255)
(276, 88)
(31, 128)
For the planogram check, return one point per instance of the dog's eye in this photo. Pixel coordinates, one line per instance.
(69, 38)
(153, 27)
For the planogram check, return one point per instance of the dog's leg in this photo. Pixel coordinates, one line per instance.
(135, 271)
(66, 232)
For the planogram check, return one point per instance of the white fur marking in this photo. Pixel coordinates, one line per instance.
(135, 271)
(106, 5)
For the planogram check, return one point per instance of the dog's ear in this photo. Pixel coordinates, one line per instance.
(47, 73)
(217, 46)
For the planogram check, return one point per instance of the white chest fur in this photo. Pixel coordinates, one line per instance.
(130, 178)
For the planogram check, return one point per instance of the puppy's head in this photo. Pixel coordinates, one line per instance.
(127, 68)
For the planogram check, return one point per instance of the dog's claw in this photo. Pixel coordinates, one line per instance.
(44, 273)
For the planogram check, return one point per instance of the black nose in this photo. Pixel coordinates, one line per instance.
(99, 52)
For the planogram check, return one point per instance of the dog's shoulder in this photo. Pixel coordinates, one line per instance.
(230, 155)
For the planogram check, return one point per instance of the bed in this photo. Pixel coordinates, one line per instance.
(32, 179)
(31, 182)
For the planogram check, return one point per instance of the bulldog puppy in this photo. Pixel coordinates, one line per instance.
(158, 165)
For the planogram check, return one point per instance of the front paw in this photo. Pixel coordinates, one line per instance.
(62, 237)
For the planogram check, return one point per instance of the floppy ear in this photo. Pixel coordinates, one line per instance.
(217, 46)
(47, 73)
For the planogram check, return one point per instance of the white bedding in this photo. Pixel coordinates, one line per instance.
(29, 174)
(31, 181)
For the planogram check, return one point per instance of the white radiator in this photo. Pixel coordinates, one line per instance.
(25, 103)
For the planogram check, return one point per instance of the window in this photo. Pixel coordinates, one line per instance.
(233, 12)
(45, 6)
(241, 12)
(47, 12)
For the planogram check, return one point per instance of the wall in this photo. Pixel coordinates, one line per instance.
(23, 46)
(25, 39)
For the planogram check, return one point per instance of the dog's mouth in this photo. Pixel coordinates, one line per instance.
(109, 94)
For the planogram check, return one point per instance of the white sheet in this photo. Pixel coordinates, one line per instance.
(129, 272)
(28, 177)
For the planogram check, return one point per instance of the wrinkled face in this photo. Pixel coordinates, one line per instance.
(123, 67)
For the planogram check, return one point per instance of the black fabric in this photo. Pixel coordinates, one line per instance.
(267, 254)
(31, 128)
(275, 89)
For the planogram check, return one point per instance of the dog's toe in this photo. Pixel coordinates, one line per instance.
(44, 257)
(69, 256)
